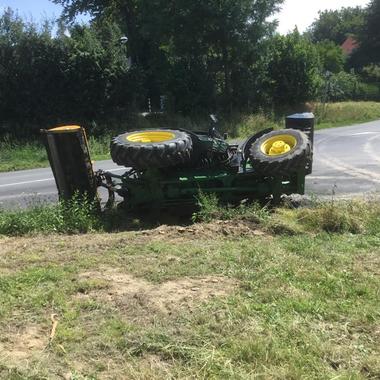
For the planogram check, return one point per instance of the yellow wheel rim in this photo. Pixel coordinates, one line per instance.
(151, 137)
(278, 145)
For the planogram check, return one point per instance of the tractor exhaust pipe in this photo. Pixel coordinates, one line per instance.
(69, 158)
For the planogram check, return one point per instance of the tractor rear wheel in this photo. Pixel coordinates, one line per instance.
(151, 148)
(280, 152)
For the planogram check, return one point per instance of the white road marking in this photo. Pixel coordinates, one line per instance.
(362, 133)
(51, 179)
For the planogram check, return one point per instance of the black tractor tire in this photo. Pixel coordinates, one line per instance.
(289, 162)
(146, 155)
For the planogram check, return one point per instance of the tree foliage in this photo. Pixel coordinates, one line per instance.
(337, 25)
(293, 69)
(369, 37)
(331, 56)
(192, 51)
(46, 80)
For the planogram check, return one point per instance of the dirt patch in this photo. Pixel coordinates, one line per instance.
(227, 228)
(22, 345)
(137, 296)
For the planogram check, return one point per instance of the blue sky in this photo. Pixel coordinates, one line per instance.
(38, 9)
(35, 9)
(294, 12)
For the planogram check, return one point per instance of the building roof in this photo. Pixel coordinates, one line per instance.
(349, 45)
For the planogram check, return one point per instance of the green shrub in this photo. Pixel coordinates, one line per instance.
(368, 91)
(293, 69)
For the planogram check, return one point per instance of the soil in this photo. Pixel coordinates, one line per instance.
(138, 297)
(228, 228)
(22, 345)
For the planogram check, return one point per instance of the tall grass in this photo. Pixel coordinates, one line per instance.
(79, 215)
(340, 217)
(21, 155)
(344, 216)
(345, 113)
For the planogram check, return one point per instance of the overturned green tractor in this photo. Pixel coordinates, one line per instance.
(167, 168)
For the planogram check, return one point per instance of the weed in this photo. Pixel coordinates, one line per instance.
(211, 209)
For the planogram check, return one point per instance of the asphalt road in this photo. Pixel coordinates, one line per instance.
(346, 162)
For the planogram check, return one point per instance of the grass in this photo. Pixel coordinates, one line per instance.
(18, 156)
(78, 215)
(31, 155)
(346, 113)
(211, 300)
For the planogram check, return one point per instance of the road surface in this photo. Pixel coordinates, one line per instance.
(346, 162)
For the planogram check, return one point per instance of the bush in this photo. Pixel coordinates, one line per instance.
(368, 91)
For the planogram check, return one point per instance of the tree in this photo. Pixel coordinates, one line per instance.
(28, 67)
(212, 44)
(369, 38)
(293, 70)
(78, 76)
(337, 25)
